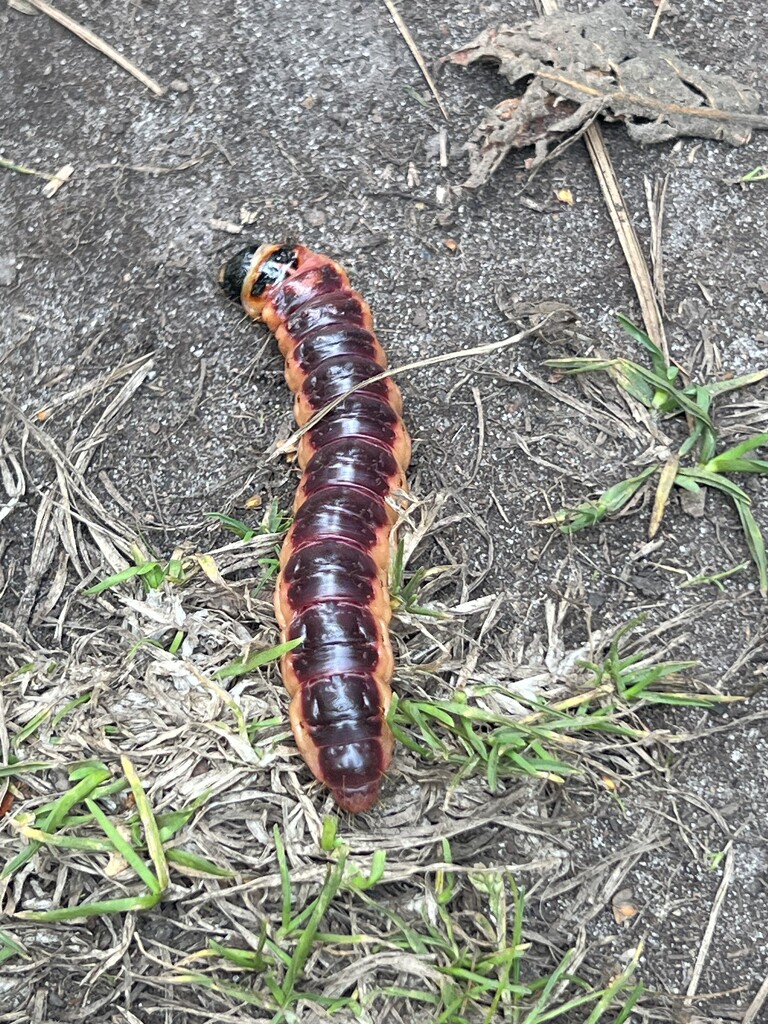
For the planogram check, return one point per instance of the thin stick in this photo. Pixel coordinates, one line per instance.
(757, 1004)
(653, 105)
(446, 357)
(706, 941)
(630, 244)
(411, 44)
(622, 222)
(98, 44)
(657, 18)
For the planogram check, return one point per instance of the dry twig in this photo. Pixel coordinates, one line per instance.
(411, 44)
(622, 222)
(98, 44)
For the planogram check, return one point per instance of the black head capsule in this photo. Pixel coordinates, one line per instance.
(275, 269)
(235, 271)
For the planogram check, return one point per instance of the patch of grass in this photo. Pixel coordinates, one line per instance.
(152, 573)
(484, 970)
(661, 390)
(240, 529)
(142, 844)
(548, 742)
(756, 174)
(404, 593)
(258, 660)
(279, 958)
(274, 520)
(636, 677)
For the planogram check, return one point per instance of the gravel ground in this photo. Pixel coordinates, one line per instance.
(292, 122)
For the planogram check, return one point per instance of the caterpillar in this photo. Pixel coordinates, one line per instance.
(332, 588)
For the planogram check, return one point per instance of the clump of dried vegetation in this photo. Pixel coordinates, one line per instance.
(157, 819)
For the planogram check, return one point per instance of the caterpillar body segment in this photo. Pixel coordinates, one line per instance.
(332, 589)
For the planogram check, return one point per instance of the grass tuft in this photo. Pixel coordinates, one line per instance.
(144, 837)
(486, 970)
(550, 741)
(661, 390)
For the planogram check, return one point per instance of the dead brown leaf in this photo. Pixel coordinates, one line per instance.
(573, 67)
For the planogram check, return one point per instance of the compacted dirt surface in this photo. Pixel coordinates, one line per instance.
(135, 399)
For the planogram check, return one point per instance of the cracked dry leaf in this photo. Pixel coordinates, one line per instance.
(569, 68)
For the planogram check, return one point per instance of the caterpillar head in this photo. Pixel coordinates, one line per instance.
(251, 270)
(234, 272)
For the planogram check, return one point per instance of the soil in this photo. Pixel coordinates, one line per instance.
(294, 122)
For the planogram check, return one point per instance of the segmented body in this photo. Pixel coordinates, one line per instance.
(332, 589)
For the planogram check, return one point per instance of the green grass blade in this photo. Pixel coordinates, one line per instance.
(59, 811)
(755, 543)
(616, 987)
(658, 360)
(304, 945)
(62, 842)
(723, 387)
(124, 848)
(677, 398)
(536, 1014)
(715, 578)
(610, 502)
(122, 577)
(194, 862)
(124, 905)
(173, 821)
(236, 526)
(9, 948)
(702, 476)
(69, 706)
(241, 668)
(248, 959)
(14, 768)
(151, 833)
(737, 452)
(31, 727)
(627, 375)
(328, 841)
(756, 174)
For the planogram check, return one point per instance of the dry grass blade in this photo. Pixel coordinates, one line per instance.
(755, 1007)
(411, 44)
(22, 169)
(446, 357)
(630, 243)
(663, 491)
(706, 941)
(622, 223)
(154, 842)
(98, 44)
(141, 366)
(656, 195)
(657, 18)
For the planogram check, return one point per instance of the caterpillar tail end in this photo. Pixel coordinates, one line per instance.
(355, 801)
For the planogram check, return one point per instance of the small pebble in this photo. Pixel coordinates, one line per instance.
(7, 271)
(315, 218)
